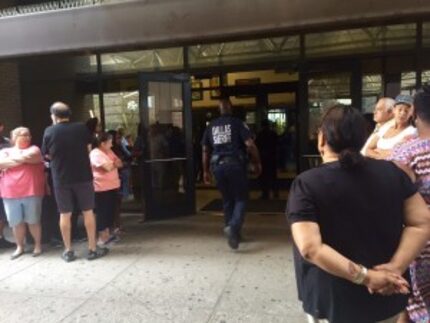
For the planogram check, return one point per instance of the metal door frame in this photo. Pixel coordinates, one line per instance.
(189, 185)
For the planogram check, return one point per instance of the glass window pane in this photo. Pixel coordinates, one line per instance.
(146, 60)
(242, 52)
(426, 34)
(408, 83)
(360, 40)
(371, 91)
(425, 77)
(121, 111)
(324, 92)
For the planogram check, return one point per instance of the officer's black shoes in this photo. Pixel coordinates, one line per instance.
(232, 238)
(239, 235)
(233, 242)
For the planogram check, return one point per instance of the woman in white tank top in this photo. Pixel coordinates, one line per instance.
(395, 133)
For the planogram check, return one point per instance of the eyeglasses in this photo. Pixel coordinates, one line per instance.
(24, 135)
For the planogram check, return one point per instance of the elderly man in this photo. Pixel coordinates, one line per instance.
(67, 144)
(383, 116)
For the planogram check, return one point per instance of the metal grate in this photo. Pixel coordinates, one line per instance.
(50, 6)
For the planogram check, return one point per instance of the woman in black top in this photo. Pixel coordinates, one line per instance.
(348, 216)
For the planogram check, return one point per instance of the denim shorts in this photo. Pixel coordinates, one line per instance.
(25, 209)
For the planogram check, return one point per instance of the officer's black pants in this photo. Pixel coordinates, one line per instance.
(232, 182)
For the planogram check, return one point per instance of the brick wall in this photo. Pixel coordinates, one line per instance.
(10, 95)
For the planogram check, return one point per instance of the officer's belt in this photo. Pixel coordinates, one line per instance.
(228, 160)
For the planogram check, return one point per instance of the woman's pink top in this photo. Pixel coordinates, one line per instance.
(25, 180)
(104, 180)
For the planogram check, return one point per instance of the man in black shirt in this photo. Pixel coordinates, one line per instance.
(67, 146)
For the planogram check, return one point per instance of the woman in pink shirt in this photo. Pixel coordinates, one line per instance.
(105, 164)
(22, 187)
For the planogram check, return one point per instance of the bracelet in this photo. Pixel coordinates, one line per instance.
(361, 276)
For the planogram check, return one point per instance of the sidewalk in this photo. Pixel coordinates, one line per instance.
(178, 270)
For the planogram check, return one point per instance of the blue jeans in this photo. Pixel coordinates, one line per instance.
(232, 182)
(124, 176)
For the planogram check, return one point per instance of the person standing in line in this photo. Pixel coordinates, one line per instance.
(226, 142)
(357, 224)
(22, 187)
(95, 128)
(67, 145)
(395, 133)
(105, 165)
(383, 116)
(125, 174)
(414, 157)
(267, 144)
(4, 244)
(117, 150)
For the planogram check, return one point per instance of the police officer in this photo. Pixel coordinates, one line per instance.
(226, 144)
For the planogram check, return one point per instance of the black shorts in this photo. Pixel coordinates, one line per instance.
(105, 208)
(81, 193)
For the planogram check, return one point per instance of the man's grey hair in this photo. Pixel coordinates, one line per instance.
(60, 110)
(389, 103)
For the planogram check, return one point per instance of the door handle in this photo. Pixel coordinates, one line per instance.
(164, 160)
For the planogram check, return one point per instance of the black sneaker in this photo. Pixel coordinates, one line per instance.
(232, 238)
(227, 233)
(4, 244)
(98, 253)
(68, 256)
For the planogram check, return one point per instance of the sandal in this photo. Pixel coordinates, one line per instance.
(16, 255)
(37, 254)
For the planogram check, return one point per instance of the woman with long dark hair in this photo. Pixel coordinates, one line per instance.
(348, 216)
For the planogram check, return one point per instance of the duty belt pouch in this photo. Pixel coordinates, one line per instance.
(215, 159)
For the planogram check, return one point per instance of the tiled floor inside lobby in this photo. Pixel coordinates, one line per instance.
(178, 270)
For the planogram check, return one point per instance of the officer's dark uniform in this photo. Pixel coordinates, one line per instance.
(226, 136)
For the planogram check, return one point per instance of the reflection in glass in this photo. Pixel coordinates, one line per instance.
(121, 111)
(371, 91)
(324, 92)
(426, 34)
(360, 40)
(408, 83)
(166, 140)
(144, 60)
(425, 78)
(240, 52)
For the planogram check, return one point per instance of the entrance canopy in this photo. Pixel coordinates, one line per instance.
(130, 24)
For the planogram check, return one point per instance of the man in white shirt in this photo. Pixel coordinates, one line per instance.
(383, 116)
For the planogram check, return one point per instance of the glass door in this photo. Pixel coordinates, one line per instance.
(324, 91)
(167, 160)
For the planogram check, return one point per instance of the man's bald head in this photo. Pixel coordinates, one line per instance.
(60, 110)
